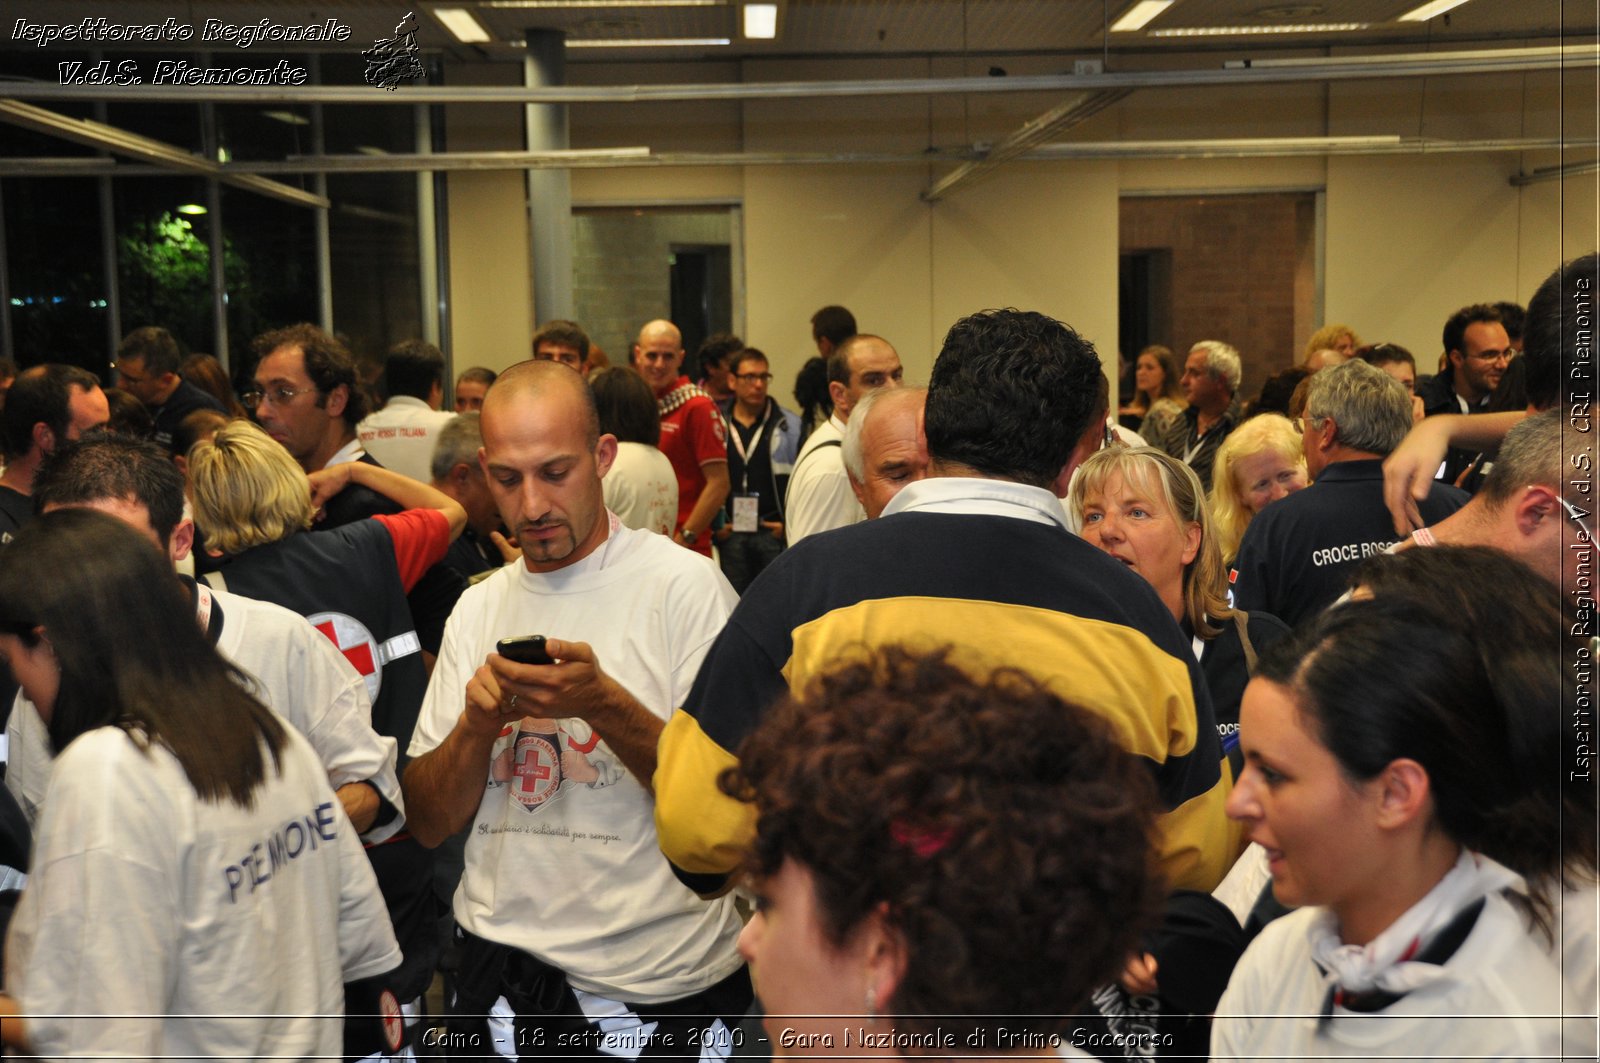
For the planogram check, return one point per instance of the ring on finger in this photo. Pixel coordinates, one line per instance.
(513, 704)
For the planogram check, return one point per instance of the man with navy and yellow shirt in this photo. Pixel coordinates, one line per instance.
(978, 557)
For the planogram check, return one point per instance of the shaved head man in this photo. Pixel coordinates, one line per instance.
(694, 436)
(549, 763)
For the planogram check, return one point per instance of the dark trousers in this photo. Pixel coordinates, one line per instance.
(745, 554)
(550, 1024)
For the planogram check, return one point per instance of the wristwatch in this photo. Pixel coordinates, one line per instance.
(690, 537)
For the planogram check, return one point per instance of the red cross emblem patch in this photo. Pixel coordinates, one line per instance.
(356, 643)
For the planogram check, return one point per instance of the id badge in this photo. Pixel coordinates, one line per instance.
(746, 513)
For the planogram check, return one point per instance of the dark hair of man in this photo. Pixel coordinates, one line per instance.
(40, 394)
(833, 323)
(413, 368)
(1513, 317)
(839, 366)
(327, 361)
(1382, 354)
(715, 351)
(1443, 667)
(155, 346)
(105, 467)
(566, 333)
(130, 652)
(875, 781)
(1011, 394)
(1554, 346)
(1455, 329)
(626, 406)
(127, 416)
(749, 354)
(486, 377)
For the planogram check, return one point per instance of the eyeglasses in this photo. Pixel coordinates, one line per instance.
(751, 378)
(1576, 515)
(278, 396)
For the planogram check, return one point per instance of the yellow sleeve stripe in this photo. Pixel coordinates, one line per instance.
(701, 830)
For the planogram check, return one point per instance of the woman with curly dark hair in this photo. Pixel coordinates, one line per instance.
(943, 865)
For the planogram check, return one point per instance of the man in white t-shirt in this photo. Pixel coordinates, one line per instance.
(402, 435)
(820, 497)
(568, 913)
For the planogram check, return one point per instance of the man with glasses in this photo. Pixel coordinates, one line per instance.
(148, 360)
(761, 452)
(1477, 351)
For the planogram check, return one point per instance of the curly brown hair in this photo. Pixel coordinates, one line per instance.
(1007, 833)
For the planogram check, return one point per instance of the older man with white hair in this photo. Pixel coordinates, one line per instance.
(884, 448)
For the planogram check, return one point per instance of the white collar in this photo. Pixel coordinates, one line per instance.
(397, 401)
(976, 495)
(351, 451)
(833, 419)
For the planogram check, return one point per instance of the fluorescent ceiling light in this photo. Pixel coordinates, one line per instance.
(287, 117)
(1428, 10)
(459, 21)
(1140, 15)
(190, 208)
(1232, 31)
(368, 149)
(601, 3)
(650, 42)
(761, 21)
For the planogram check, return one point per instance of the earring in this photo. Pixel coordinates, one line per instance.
(870, 1008)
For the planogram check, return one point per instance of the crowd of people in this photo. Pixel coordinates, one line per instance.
(640, 715)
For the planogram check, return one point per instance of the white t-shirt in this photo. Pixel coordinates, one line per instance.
(200, 929)
(642, 489)
(1500, 999)
(402, 435)
(299, 674)
(562, 859)
(819, 496)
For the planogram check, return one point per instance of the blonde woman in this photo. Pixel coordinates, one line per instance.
(1261, 462)
(1340, 338)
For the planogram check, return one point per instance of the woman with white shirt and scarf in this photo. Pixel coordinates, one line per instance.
(1387, 749)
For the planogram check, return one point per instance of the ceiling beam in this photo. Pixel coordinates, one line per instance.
(146, 150)
(1032, 133)
(634, 158)
(1514, 60)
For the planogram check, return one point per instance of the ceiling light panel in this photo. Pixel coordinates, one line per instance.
(1140, 15)
(459, 21)
(1426, 11)
(761, 21)
(1261, 29)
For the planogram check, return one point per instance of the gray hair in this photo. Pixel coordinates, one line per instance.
(855, 458)
(1370, 407)
(1222, 362)
(1530, 454)
(458, 442)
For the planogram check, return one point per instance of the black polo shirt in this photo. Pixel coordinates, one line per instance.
(1298, 553)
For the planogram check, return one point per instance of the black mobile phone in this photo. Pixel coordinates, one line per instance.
(528, 649)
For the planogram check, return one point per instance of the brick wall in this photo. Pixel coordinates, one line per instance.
(1242, 272)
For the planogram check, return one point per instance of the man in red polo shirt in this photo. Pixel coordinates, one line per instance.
(693, 436)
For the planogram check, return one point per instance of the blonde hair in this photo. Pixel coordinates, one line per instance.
(1205, 597)
(1328, 336)
(246, 490)
(1267, 431)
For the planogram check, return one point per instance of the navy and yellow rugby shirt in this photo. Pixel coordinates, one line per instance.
(1001, 591)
